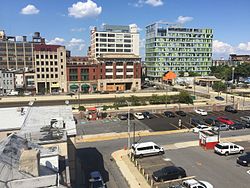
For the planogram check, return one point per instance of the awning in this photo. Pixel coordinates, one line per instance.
(55, 85)
(85, 86)
(74, 86)
(91, 109)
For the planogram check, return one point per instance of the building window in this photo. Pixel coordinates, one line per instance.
(61, 54)
(42, 75)
(55, 63)
(46, 56)
(56, 69)
(61, 60)
(42, 69)
(38, 70)
(55, 56)
(47, 75)
(42, 56)
(51, 70)
(61, 73)
(47, 63)
(38, 75)
(37, 56)
(42, 63)
(47, 69)
(52, 76)
(51, 63)
(37, 63)
(56, 75)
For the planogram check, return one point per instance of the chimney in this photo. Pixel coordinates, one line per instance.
(30, 162)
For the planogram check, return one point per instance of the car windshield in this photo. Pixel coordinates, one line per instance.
(97, 184)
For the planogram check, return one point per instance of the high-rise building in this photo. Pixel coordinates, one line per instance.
(50, 68)
(114, 39)
(173, 48)
(17, 54)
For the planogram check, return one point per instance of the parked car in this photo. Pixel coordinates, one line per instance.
(244, 160)
(236, 126)
(225, 120)
(122, 116)
(197, 122)
(246, 124)
(193, 183)
(219, 98)
(139, 115)
(180, 113)
(220, 127)
(169, 114)
(169, 173)
(27, 93)
(104, 92)
(148, 115)
(201, 127)
(245, 118)
(230, 109)
(146, 148)
(201, 112)
(96, 180)
(12, 93)
(227, 148)
(210, 121)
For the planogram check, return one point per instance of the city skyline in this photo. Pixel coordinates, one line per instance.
(69, 23)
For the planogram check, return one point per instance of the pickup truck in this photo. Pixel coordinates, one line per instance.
(245, 118)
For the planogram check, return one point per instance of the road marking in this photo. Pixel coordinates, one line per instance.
(248, 171)
(174, 125)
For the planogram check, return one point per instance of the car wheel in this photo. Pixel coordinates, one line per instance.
(241, 151)
(226, 153)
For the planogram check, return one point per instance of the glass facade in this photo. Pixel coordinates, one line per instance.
(177, 49)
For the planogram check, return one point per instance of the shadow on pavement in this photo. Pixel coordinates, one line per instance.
(88, 160)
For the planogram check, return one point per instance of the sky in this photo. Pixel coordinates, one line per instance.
(68, 22)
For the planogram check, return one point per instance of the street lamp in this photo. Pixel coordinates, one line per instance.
(233, 68)
(128, 124)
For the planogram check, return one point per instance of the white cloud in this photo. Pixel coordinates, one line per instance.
(29, 9)
(154, 3)
(220, 47)
(57, 41)
(84, 9)
(77, 44)
(184, 19)
(77, 29)
(244, 46)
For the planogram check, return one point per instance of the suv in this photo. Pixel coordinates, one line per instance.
(96, 180)
(228, 148)
(169, 114)
(244, 160)
(230, 109)
(169, 173)
(193, 183)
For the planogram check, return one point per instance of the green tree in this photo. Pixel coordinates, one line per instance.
(219, 87)
(81, 108)
(185, 97)
(192, 74)
(135, 101)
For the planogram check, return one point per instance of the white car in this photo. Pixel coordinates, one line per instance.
(227, 148)
(201, 112)
(193, 183)
(139, 115)
(201, 127)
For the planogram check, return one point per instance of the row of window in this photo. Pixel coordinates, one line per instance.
(46, 56)
(42, 63)
(112, 35)
(113, 40)
(114, 45)
(47, 75)
(112, 50)
(7, 82)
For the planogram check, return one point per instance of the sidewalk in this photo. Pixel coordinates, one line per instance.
(128, 170)
(134, 177)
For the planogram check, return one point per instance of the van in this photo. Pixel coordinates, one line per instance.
(146, 148)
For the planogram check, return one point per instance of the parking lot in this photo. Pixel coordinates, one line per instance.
(220, 171)
(159, 122)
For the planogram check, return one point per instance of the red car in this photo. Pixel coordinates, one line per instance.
(225, 120)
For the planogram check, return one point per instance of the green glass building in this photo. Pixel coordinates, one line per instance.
(173, 48)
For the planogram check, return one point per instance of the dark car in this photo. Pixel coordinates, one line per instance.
(169, 114)
(180, 113)
(169, 173)
(219, 98)
(147, 115)
(211, 121)
(244, 159)
(237, 125)
(96, 180)
(230, 109)
(247, 124)
(197, 122)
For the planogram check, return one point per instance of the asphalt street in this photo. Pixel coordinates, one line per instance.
(104, 149)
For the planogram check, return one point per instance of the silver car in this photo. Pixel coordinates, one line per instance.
(221, 127)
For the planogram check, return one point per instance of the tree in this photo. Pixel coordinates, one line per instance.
(192, 74)
(219, 87)
(81, 108)
(185, 97)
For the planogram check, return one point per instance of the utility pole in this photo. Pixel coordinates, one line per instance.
(128, 125)
(79, 97)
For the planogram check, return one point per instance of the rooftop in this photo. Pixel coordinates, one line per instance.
(117, 56)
